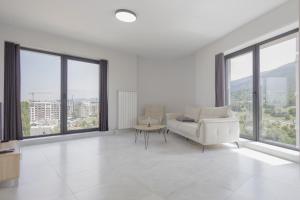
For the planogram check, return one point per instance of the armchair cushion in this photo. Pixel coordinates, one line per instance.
(154, 111)
(153, 114)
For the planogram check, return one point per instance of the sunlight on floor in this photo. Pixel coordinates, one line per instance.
(271, 160)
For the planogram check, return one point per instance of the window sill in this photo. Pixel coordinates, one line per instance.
(280, 152)
(63, 137)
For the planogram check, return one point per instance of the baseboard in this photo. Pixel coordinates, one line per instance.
(9, 183)
(120, 131)
(59, 138)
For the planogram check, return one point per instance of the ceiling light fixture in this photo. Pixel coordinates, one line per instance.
(125, 15)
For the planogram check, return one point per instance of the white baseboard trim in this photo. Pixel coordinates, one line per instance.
(59, 138)
(9, 183)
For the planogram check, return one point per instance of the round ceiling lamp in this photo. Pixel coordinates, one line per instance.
(125, 15)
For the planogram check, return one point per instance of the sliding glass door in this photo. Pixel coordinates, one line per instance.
(262, 85)
(278, 80)
(83, 95)
(40, 93)
(59, 94)
(240, 87)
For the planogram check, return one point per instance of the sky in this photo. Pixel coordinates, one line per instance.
(40, 74)
(271, 57)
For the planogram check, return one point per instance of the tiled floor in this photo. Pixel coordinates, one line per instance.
(114, 168)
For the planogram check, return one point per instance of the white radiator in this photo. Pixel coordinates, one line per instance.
(127, 109)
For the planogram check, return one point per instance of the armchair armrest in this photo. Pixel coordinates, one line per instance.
(172, 115)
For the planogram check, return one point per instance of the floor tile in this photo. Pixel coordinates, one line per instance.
(200, 190)
(266, 189)
(114, 167)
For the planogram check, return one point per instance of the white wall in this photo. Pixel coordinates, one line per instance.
(168, 82)
(299, 70)
(275, 22)
(122, 71)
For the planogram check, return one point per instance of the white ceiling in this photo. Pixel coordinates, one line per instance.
(164, 28)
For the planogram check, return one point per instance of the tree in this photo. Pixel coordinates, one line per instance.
(292, 111)
(25, 116)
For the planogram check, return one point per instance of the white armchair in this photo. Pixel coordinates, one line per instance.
(214, 126)
(153, 114)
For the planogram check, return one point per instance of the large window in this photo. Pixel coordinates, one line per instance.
(83, 95)
(278, 77)
(59, 94)
(40, 93)
(240, 87)
(262, 83)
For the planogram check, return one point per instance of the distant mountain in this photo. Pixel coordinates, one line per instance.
(287, 71)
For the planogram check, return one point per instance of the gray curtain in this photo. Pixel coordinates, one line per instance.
(220, 80)
(1, 130)
(12, 101)
(103, 96)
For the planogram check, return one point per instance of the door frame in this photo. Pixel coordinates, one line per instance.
(254, 85)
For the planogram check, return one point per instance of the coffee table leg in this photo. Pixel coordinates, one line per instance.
(145, 138)
(136, 135)
(148, 135)
(164, 133)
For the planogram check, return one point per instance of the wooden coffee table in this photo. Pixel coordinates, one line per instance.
(146, 130)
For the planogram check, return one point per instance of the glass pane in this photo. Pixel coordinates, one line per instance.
(83, 95)
(278, 76)
(40, 93)
(240, 87)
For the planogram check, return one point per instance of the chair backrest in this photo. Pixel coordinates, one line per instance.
(154, 111)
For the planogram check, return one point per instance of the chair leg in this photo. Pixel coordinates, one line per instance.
(145, 138)
(237, 144)
(165, 137)
(203, 147)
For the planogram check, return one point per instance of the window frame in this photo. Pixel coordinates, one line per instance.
(256, 85)
(63, 90)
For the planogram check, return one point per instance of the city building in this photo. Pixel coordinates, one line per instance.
(44, 110)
